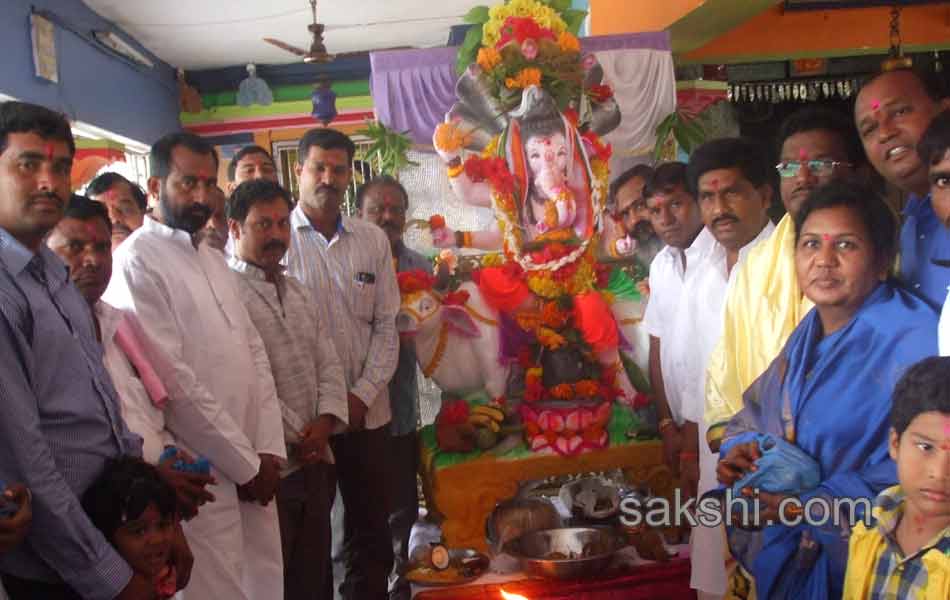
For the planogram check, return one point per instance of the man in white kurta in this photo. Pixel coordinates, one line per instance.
(731, 179)
(223, 403)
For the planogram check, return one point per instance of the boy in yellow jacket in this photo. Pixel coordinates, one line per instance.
(905, 552)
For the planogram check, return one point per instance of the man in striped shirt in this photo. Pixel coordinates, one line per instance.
(309, 379)
(347, 265)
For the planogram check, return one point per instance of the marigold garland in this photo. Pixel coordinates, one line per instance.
(568, 42)
(488, 58)
(525, 78)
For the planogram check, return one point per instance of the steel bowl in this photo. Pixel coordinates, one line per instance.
(521, 515)
(586, 550)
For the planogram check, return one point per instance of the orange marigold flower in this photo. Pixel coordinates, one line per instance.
(488, 58)
(553, 316)
(528, 320)
(587, 388)
(450, 138)
(533, 375)
(550, 339)
(568, 42)
(563, 391)
(525, 78)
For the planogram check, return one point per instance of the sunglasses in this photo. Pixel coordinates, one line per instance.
(815, 167)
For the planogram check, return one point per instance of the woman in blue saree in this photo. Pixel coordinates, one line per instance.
(829, 390)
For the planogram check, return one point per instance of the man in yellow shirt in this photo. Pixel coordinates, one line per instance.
(764, 303)
(905, 551)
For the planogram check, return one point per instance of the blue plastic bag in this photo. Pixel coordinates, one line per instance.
(201, 466)
(783, 468)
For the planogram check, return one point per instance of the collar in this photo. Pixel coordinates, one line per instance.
(918, 206)
(888, 511)
(15, 256)
(719, 251)
(252, 271)
(300, 220)
(180, 236)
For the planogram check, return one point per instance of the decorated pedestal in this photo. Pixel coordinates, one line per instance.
(465, 487)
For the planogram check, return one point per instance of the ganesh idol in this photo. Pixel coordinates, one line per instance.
(542, 167)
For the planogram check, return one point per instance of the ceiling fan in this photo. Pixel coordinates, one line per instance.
(318, 49)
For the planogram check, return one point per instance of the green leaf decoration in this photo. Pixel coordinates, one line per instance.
(469, 48)
(389, 151)
(476, 16)
(574, 19)
(559, 5)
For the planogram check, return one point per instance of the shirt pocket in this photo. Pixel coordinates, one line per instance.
(364, 300)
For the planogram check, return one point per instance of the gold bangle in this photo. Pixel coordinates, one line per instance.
(455, 171)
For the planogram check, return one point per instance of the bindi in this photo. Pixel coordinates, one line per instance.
(876, 105)
(826, 237)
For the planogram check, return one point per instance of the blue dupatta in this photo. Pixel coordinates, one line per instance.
(831, 397)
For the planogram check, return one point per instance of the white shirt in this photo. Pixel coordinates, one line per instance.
(354, 284)
(222, 400)
(696, 330)
(943, 330)
(698, 322)
(140, 413)
(667, 277)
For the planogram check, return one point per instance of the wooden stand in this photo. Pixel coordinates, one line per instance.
(466, 493)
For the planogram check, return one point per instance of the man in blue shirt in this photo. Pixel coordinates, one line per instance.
(385, 202)
(891, 112)
(61, 420)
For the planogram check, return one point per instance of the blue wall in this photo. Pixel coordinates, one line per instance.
(94, 87)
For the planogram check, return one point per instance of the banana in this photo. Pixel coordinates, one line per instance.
(489, 411)
(481, 420)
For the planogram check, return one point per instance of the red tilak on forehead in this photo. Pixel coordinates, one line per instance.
(826, 237)
(49, 152)
(946, 426)
(876, 105)
(802, 154)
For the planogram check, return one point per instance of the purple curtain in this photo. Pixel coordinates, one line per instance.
(413, 89)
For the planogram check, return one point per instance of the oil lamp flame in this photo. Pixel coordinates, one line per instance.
(508, 596)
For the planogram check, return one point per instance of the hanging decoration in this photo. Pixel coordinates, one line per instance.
(793, 91)
(324, 103)
(895, 55)
(254, 90)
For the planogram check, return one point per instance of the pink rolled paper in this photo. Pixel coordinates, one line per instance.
(129, 343)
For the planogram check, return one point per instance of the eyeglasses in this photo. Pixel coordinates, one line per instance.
(815, 167)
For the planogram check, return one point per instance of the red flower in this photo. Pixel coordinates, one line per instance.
(533, 391)
(526, 357)
(454, 413)
(494, 170)
(599, 149)
(521, 29)
(603, 274)
(414, 281)
(600, 92)
(456, 298)
(641, 400)
(436, 222)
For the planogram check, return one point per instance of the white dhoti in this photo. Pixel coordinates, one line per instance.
(237, 550)
(707, 545)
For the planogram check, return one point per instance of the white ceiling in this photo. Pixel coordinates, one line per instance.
(203, 34)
